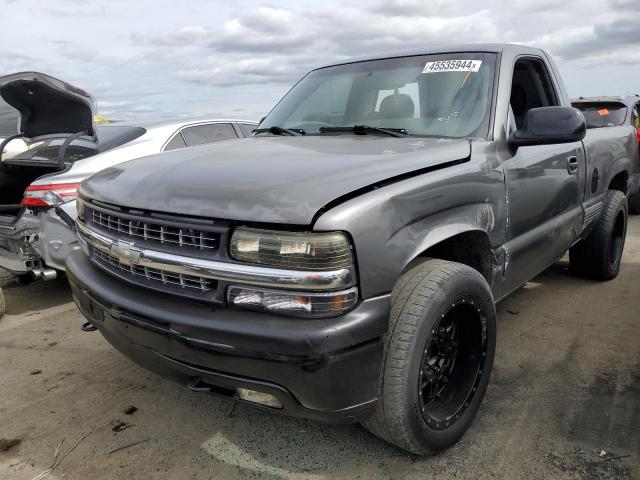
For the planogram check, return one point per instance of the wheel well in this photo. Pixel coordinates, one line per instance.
(469, 248)
(619, 182)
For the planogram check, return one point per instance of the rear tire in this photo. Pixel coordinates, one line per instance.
(438, 357)
(599, 255)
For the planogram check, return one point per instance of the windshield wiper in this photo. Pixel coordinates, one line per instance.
(365, 129)
(277, 130)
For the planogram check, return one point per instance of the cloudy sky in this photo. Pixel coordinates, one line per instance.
(161, 58)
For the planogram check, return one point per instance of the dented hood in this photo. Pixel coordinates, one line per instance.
(48, 106)
(267, 179)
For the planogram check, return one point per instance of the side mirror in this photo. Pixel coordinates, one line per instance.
(550, 125)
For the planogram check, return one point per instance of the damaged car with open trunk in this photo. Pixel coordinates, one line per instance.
(56, 128)
(57, 146)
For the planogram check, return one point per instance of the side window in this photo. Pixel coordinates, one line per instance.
(531, 88)
(247, 129)
(175, 143)
(202, 134)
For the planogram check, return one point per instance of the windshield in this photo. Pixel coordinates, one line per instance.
(602, 114)
(445, 95)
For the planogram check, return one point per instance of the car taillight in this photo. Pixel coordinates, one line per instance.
(49, 195)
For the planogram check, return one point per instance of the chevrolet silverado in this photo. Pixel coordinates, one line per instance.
(344, 263)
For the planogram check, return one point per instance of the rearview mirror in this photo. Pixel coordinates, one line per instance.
(550, 125)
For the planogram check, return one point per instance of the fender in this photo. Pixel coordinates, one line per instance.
(439, 227)
(395, 224)
(611, 151)
(621, 165)
(435, 229)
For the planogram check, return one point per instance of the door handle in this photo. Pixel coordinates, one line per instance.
(572, 165)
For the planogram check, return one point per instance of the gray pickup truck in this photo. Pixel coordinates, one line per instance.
(344, 263)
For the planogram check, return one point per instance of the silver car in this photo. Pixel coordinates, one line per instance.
(38, 186)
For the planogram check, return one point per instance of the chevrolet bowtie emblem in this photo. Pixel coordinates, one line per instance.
(126, 253)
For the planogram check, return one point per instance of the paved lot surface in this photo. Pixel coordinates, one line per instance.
(565, 389)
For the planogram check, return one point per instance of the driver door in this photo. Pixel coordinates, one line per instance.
(544, 184)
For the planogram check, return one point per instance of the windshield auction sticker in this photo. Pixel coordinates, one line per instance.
(452, 66)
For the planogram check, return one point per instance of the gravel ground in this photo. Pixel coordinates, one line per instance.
(564, 401)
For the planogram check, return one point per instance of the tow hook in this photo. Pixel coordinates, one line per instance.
(88, 327)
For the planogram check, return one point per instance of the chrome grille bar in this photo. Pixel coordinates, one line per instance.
(176, 282)
(225, 271)
(178, 236)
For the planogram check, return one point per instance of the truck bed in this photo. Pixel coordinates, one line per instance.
(606, 146)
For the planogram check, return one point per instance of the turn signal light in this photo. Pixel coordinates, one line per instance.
(296, 304)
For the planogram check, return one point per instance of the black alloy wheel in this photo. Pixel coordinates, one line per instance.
(452, 363)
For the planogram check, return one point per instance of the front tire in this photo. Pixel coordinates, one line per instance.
(599, 255)
(439, 352)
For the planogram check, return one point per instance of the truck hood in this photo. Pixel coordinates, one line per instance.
(268, 179)
(48, 106)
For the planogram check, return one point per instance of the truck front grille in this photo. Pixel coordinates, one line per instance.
(185, 285)
(169, 234)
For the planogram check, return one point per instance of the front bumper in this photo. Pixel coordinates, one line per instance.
(325, 369)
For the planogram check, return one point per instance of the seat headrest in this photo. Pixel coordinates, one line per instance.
(398, 105)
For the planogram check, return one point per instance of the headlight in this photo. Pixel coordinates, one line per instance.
(304, 251)
(310, 305)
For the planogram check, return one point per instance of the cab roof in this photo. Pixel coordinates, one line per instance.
(436, 49)
(628, 100)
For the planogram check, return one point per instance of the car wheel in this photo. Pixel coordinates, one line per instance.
(599, 255)
(438, 355)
